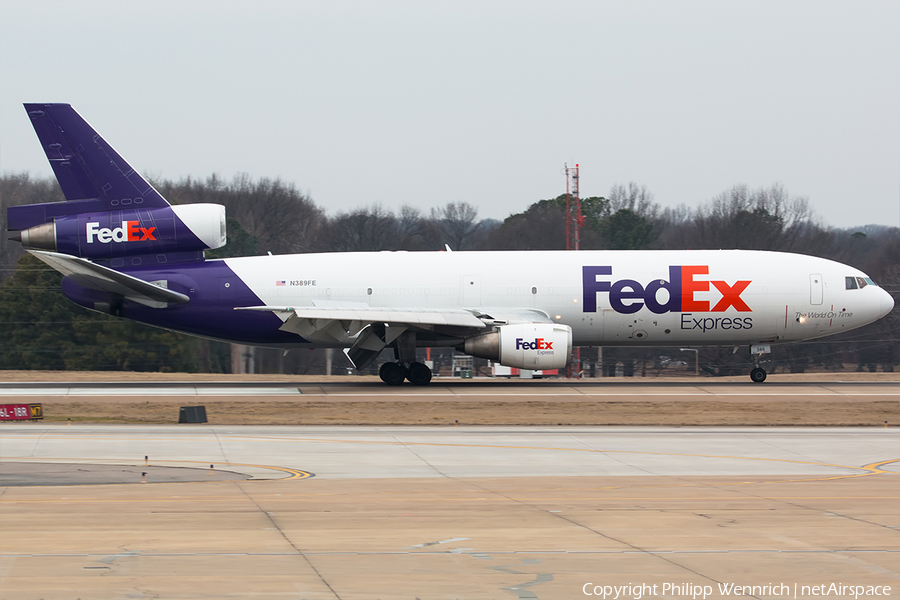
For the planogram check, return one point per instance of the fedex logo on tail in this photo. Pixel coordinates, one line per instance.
(627, 296)
(130, 231)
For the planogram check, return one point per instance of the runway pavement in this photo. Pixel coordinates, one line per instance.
(446, 512)
(336, 389)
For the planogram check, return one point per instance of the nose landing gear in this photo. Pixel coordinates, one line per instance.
(758, 374)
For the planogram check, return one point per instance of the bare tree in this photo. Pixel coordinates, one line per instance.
(281, 218)
(361, 230)
(412, 229)
(456, 224)
(762, 219)
(635, 198)
(17, 189)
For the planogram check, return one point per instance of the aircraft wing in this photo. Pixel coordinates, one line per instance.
(404, 316)
(368, 329)
(97, 277)
(366, 314)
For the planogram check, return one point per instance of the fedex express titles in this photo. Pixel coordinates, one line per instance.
(627, 296)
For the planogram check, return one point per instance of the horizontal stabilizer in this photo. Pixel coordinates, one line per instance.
(97, 277)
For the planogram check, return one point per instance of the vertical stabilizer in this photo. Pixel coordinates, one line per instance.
(92, 175)
(85, 164)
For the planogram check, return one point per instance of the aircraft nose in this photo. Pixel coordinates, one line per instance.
(887, 303)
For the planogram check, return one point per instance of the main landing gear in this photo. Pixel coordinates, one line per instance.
(406, 367)
(394, 373)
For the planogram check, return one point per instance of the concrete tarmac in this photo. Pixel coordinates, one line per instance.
(427, 512)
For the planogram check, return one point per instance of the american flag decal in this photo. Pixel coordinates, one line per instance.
(279, 283)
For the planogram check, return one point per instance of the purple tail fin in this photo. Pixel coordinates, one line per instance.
(110, 212)
(92, 175)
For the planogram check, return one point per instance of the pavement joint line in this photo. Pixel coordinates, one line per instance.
(703, 389)
(473, 500)
(448, 553)
(577, 522)
(290, 542)
(872, 469)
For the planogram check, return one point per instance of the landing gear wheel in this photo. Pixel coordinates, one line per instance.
(392, 373)
(418, 374)
(758, 375)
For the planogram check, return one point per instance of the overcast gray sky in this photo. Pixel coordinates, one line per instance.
(425, 103)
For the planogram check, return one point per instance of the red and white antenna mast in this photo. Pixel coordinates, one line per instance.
(574, 221)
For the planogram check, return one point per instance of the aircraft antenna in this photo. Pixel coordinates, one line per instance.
(574, 220)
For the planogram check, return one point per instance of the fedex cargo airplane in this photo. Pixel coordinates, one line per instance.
(125, 251)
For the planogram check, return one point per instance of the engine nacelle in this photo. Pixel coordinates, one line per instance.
(130, 232)
(524, 346)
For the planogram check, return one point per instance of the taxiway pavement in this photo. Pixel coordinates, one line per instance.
(445, 512)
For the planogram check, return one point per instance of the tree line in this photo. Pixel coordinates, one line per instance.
(41, 329)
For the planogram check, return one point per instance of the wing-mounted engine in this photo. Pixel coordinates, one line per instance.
(131, 231)
(524, 345)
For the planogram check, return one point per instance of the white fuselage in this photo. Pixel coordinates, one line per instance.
(606, 297)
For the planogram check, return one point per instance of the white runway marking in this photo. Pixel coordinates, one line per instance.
(151, 391)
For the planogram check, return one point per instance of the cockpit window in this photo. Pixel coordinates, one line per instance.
(858, 283)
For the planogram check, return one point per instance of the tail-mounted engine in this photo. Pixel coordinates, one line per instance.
(525, 346)
(127, 231)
